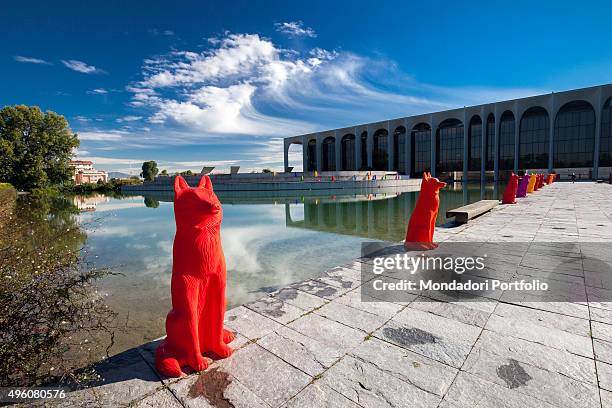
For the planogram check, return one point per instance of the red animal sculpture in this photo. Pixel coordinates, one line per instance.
(422, 224)
(509, 196)
(536, 186)
(195, 323)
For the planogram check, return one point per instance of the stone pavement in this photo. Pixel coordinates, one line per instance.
(316, 343)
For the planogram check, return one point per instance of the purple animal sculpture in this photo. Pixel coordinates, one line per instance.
(522, 189)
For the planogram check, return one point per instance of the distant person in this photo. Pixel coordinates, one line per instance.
(573, 177)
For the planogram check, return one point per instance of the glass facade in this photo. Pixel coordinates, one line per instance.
(505, 151)
(329, 154)
(348, 152)
(420, 140)
(475, 144)
(380, 155)
(364, 150)
(534, 139)
(605, 143)
(574, 139)
(311, 155)
(449, 146)
(490, 144)
(399, 141)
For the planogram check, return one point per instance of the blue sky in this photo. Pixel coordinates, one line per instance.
(221, 83)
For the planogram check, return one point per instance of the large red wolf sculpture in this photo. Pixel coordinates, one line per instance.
(422, 224)
(195, 323)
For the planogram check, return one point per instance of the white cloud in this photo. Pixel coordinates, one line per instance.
(31, 60)
(295, 29)
(101, 135)
(80, 66)
(128, 118)
(98, 91)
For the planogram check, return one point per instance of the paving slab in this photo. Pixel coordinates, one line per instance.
(318, 394)
(366, 385)
(307, 354)
(436, 337)
(266, 375)
(422, 372)
(548, 386)
(349, 316)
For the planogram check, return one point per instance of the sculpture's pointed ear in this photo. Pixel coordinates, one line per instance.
(205, 183)
(179, 184)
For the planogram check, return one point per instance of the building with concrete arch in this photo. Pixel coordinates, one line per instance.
(568, 131)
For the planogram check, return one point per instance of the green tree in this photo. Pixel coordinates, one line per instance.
(149, 170)
(35, 147)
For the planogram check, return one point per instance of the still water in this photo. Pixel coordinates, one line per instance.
(268, 243)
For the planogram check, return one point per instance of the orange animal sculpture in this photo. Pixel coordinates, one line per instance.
(422, 224)
(195, 323)
(531, 185)
(536, 184)
(509, 196)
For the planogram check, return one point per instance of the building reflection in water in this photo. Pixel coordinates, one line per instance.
(377, 216)
(381, 216)
(89, 203)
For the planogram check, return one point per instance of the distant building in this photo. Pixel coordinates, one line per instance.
(84, 172)
(565, 132)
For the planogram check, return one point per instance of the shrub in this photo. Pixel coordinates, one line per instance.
(48, 306)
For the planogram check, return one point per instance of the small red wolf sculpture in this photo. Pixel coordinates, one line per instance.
(509, 196)
(422, 224)
(195, 323)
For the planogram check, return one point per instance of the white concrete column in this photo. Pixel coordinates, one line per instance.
(370, 144)
(391, 151)
(598, 131)
(434, 128)
(483, 141)
(338, 145)
(319, 152)
(408, 148)
(305, 140)
(517, 130)
(496, 145)
(357, 148)
(286, 145)
(466, 143)
(551, 133)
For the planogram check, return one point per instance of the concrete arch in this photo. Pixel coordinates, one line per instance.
(328, 154)
(311, 155)
(605, 141)
(449, 146)
(489, 148)
(574, 136)
(380, 152)
(475, 143)
(400, 139)
(534, 133)
(348, 152)
(506, 141)
(420, 140)
(363, 143)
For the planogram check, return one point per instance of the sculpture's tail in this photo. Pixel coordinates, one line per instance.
(168, 366)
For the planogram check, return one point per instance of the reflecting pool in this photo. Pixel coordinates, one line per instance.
(269, 242)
